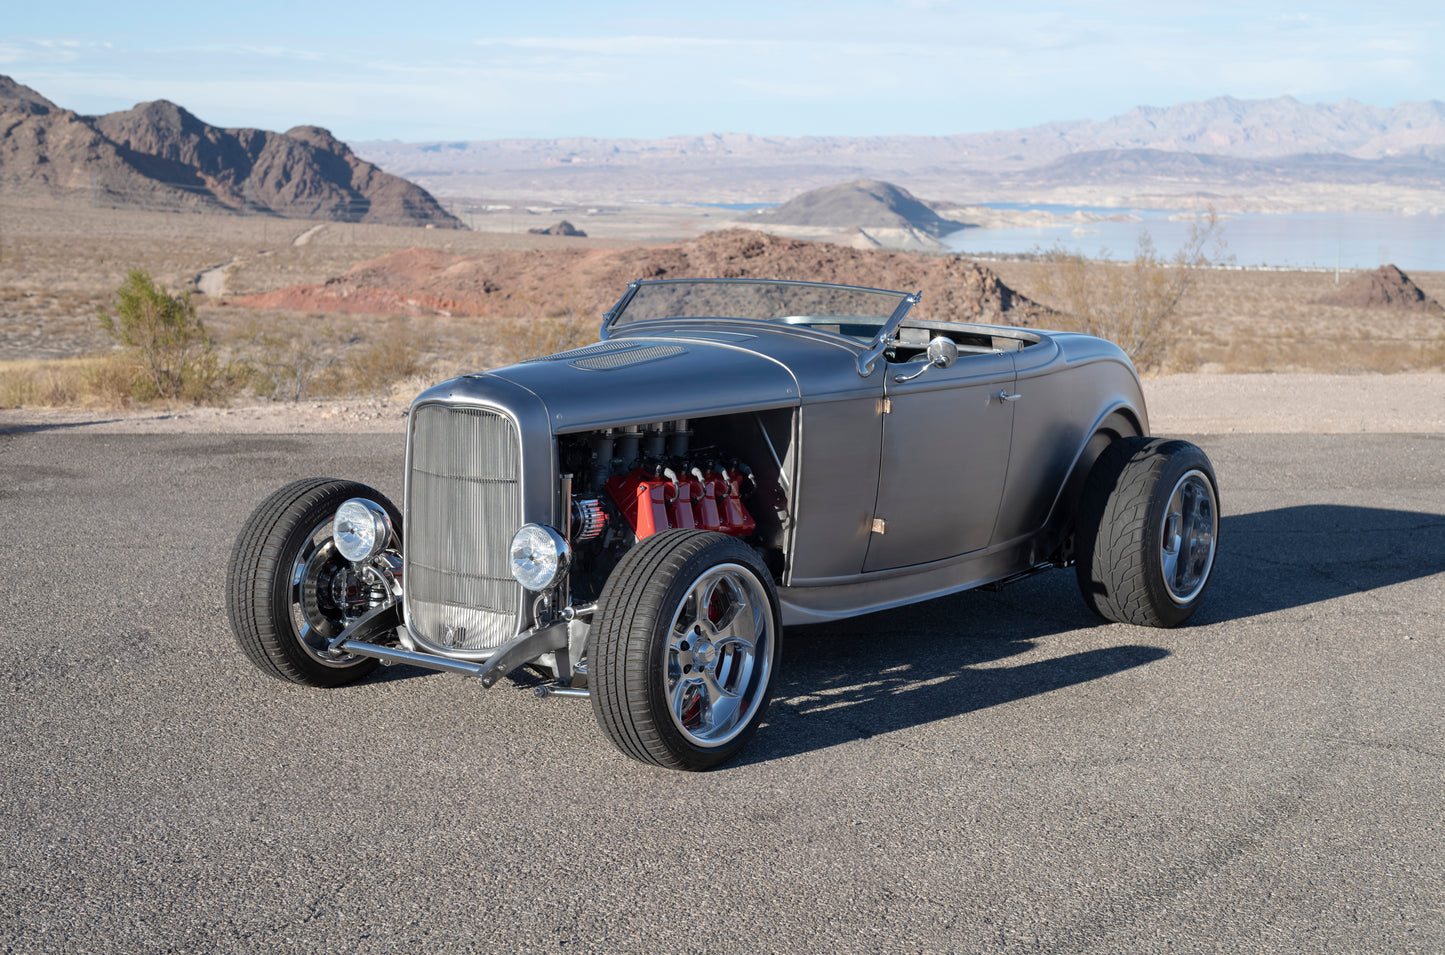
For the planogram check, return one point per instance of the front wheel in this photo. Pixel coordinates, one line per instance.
(1148, 529)
(288, 590)
(683, 647)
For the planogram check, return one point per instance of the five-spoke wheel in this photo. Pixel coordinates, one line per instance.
(682, 649)
(719, 646)
(1187, 537)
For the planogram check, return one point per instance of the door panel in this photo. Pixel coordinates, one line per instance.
(945, 454)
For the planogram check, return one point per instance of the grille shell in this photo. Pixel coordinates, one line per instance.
(463, 504)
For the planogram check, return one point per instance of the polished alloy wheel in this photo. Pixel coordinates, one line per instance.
(718, 655)
(1191, 522)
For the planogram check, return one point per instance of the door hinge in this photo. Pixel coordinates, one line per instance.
(885, 406)
(880, 526)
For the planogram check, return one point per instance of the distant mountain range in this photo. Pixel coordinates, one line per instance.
(1236, 155)
(159, 156)
(1220, 149)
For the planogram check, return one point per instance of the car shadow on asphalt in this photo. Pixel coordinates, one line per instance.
(1295, 556)
(910, 666)
(12, 429)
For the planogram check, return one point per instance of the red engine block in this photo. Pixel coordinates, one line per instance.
(652, 503)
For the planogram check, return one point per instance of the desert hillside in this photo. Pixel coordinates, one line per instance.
(159, 156)
(583, 282)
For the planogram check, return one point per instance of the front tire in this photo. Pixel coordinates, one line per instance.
(683, 648)
(287, 592)
(1147, 533)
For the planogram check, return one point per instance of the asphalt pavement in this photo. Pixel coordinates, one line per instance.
(987, 772)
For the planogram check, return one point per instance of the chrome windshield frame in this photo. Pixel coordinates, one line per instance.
(870, 353)
(870, 356)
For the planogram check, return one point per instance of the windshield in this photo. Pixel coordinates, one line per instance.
(855, 312)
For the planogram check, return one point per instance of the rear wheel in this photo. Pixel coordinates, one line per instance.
(1148, 530)
(288, 591)
(683, 647)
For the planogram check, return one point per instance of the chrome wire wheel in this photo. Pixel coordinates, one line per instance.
(325, 596)
(1187, 535)
(718, 655)
(289, 591)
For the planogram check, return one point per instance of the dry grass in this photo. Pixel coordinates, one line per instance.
(1247, 321)
(91, 381)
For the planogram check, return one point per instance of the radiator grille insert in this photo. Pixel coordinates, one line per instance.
(463, 505)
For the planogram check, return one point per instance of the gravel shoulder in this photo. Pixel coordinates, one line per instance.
(1178, 404)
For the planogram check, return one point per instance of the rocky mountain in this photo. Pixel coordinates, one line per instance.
(1385, 287)
(159, 156)
(865, 203)
(1271, 128)
(23, 99)
(1133, 165)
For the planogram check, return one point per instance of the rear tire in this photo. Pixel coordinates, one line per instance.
(1148, 530)
(683, 647)
(279, 592)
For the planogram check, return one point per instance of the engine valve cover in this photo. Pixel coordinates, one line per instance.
(651, 503)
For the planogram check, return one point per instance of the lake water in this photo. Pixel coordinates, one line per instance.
(1353, 240)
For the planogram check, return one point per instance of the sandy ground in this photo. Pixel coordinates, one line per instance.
(1178, 404)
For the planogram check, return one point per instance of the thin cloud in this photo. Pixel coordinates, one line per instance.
(49, 50)
(280, 53)
(619, 45)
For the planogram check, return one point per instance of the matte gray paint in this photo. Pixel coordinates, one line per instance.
(942, 455)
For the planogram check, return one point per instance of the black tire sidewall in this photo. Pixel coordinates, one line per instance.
(1107, 542)
(260, 603)
(628, 646)
(694, 568)
(1183, 457)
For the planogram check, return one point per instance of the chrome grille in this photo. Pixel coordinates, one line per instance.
(464, 503)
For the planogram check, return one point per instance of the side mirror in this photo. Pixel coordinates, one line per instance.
(942, 352)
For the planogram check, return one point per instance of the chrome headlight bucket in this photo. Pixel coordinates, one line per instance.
(361, 529)
(538, 557)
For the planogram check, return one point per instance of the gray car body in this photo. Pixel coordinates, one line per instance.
(894, 491)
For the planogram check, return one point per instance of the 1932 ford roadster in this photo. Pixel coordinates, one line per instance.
(639, 519)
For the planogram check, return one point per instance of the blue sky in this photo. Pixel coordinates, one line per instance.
(485, 70)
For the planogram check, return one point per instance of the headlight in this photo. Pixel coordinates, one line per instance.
(361, 529)
(538, 555)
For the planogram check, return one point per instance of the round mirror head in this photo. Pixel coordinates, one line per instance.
(942, 352)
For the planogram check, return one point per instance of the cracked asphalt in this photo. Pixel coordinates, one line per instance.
(987, 772)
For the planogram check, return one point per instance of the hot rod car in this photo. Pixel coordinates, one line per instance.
(637, 520)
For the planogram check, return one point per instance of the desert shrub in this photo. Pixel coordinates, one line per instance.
(520, 338)
(287, 365)
(377, 367)
(176, 356)
(1133, 304)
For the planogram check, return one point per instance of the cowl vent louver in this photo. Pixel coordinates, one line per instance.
(601, 348)
(628, 358)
